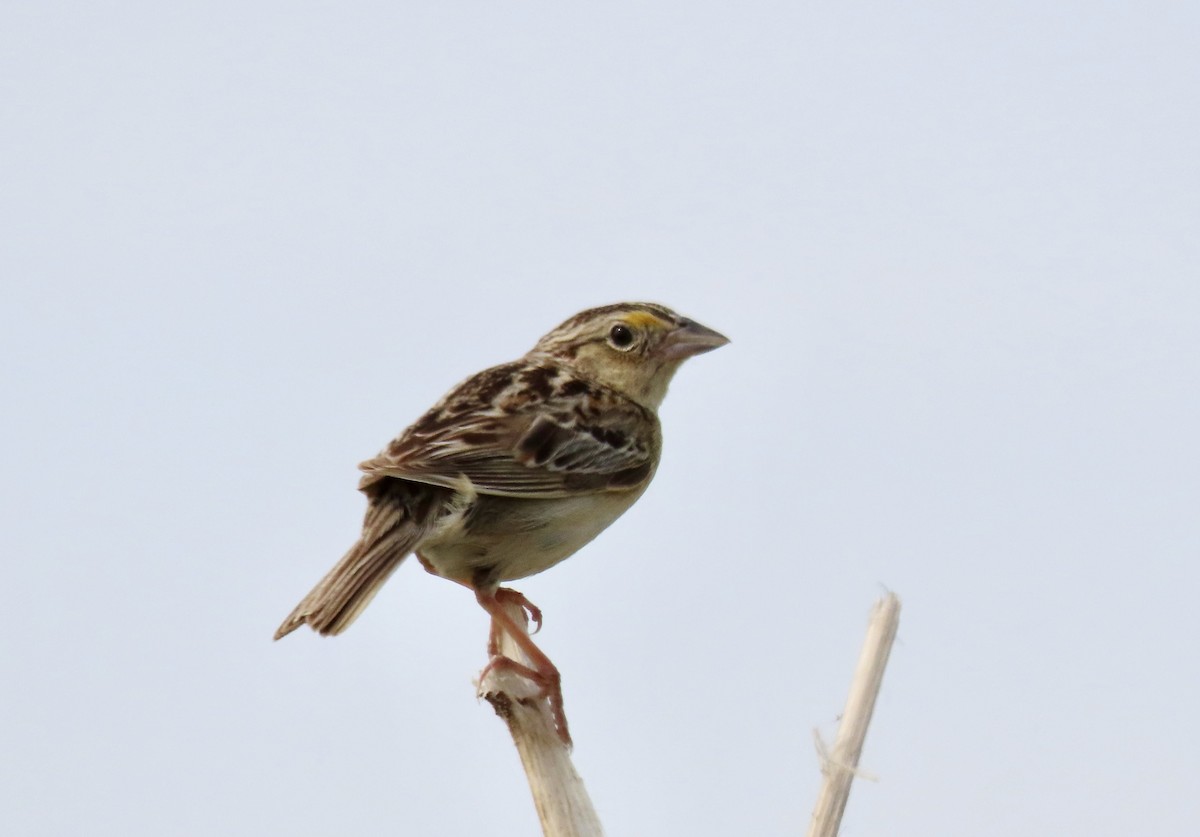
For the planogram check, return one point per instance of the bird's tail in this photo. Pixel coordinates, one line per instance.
(397, 518)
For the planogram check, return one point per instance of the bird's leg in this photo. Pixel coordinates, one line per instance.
(541, 671)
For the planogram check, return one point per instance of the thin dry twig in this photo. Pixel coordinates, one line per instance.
(559, 795)
(840, 764)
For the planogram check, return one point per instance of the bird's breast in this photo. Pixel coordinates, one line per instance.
(509, 538)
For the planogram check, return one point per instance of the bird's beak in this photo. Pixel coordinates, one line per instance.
(690, 338)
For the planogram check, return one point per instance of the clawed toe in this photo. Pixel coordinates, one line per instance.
(506, 595)
(549, 685)
(501, 663)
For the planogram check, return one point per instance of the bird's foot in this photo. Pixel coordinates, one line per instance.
(507, 595)
(537, 669)
(549, 684)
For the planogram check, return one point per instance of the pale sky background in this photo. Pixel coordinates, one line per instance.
(955, 245)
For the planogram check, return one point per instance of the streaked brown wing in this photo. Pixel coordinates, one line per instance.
(526, 431)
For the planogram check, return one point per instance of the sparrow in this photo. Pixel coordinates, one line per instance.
(516, 469)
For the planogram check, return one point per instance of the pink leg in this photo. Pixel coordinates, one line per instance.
(542, 672)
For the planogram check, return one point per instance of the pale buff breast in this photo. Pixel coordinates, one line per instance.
(509, 538)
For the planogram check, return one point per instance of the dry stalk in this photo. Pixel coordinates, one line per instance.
(840, 764)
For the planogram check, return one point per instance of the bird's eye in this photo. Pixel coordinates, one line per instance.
(621, 336)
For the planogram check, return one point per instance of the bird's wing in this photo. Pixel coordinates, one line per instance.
(523, 430)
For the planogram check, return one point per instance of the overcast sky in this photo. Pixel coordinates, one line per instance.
(243, 245)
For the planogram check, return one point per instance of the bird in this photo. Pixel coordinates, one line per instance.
(514, 470)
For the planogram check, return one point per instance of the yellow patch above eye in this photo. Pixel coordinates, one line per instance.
(644, 319)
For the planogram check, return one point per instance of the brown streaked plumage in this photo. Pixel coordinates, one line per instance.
(515, 469)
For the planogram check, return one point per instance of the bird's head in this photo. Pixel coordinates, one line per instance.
(632, 347)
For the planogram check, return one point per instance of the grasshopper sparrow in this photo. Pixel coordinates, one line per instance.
(515, 469)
